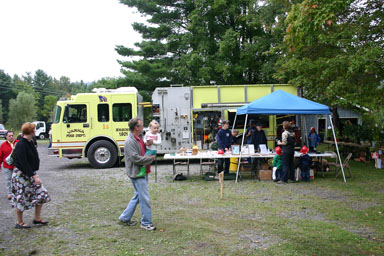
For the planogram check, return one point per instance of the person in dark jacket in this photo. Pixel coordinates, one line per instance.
(288, 142)
(304, 163)
(224, 142)
(27, 187)
(258, 138)
(236, 137)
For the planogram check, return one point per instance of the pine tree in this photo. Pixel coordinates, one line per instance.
(203, 42)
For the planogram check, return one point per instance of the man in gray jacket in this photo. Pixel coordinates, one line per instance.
(134, 150)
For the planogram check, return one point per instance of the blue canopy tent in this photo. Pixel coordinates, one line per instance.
(280, 103)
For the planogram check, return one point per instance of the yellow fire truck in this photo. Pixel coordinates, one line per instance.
(95, 125)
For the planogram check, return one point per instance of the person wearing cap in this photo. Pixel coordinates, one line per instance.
(277, 165)
(304, 163)
(258, 136)
(313, 139)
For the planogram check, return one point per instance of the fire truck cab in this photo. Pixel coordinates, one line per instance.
(94, 125)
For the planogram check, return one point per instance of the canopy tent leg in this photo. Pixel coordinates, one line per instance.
(304, 133)
(242, 142)
(234, 122)
(337, 148)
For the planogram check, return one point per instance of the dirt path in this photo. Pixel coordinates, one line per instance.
(57, 178)
(61, 177)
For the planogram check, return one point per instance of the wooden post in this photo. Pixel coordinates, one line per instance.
(221, 180)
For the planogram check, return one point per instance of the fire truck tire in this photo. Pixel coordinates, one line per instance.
(102, 154)
(42, 136)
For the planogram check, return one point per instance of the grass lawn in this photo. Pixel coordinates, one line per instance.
(324, 217)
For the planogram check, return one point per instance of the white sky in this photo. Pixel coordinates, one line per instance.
(73, 38)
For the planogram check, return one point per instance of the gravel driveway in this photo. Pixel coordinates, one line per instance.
(64, 177)
(61, 178)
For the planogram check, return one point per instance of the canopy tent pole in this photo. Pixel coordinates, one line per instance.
(242, 142)
(304, 133)
(337, 148)
(234, 122)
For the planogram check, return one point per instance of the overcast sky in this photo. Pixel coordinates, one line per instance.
(73, 38)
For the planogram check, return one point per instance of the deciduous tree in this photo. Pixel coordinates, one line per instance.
(21, 110)
(49, 105)
(334, 49)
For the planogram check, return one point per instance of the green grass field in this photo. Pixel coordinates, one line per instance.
(325, 217)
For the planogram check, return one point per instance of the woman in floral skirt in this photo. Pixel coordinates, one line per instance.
(27, 188)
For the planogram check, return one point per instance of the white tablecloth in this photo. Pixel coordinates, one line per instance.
(214, 154)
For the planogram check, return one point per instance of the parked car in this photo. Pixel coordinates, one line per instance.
(3, 131)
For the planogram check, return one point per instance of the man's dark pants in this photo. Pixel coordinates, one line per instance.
(288, 166)
(221, 162)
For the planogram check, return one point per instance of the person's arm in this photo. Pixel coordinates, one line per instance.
(253, 139)
(284, 139)
(145, 137)
(137, 158)
(220, 143)
(249, 129)
(158, 139)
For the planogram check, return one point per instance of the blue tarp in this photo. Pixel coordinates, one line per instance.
(280, 103)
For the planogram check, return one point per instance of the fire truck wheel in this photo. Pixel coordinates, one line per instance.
(42, 136)
(102, 154)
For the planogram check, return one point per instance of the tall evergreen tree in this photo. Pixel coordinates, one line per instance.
(7, 93)
(1, 112)
(202, 41)
(43, 84)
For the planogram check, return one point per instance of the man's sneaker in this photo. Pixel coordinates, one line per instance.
(280, 182)
(148, 227)
(129, 222)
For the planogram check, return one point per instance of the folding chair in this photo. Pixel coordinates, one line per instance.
(211, 163)
(345, 166)
(180, 163)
